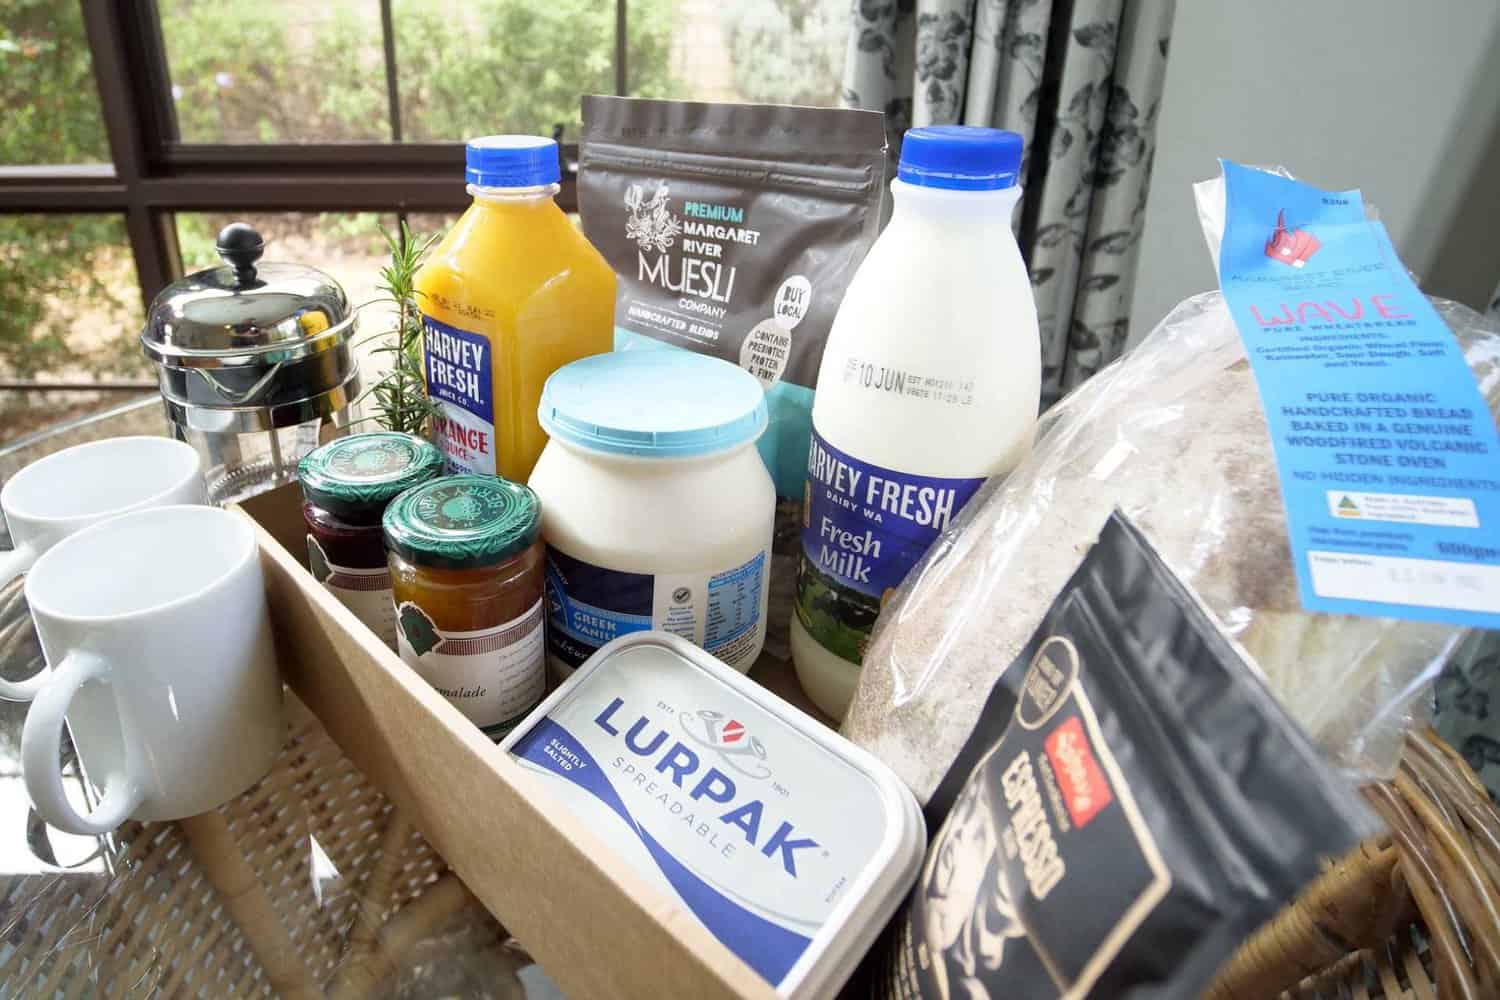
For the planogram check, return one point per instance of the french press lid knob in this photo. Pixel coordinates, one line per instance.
(241, 246)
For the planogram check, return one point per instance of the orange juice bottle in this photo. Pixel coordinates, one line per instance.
(511, 294)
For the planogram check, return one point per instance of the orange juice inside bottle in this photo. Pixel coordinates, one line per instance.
(510, 295)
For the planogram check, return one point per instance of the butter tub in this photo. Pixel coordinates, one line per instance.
(786, 842)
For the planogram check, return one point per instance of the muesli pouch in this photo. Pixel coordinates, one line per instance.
(1132, 803)
(734, 229)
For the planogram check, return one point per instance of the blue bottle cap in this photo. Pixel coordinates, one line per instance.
(960, 158)
(666, 403)
(511, 161)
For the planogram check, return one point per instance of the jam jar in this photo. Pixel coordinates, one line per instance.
(466, 563)
(346, 485)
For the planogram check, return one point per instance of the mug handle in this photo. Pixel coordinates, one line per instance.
(17, 561)
(41, 744)
(13, 567)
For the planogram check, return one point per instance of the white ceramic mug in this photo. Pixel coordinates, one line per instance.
(71, 489)
(155, 627)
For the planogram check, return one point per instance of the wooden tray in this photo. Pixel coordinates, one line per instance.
(597, 928)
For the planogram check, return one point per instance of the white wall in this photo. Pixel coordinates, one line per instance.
(1400, 98)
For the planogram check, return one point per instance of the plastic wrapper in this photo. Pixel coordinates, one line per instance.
(1173, 434)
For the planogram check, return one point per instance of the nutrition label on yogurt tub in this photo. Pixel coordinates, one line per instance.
(589, 605)
(1387, 451)
(729, 627)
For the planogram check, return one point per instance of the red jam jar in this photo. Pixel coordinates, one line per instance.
(346, 485)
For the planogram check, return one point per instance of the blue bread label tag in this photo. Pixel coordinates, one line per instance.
(1386, 449)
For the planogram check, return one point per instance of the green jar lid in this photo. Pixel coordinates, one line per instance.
(459, 522)
(356, 476)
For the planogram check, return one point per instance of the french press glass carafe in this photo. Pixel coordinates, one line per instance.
(255, 364)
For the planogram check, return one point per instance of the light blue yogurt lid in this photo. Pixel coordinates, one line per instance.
(657, 404)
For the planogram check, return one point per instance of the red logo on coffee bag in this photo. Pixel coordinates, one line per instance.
(1083, 785)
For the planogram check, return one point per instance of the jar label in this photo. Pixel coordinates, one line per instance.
(722, 611)
(493, 675)
(863, 528)
(365, 591)
(460, 380)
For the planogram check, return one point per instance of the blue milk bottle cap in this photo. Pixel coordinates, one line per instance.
(655, 404)
(511, 161)
(960, 157)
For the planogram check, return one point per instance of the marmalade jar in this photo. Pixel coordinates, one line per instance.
(465, 556)
(346, 485)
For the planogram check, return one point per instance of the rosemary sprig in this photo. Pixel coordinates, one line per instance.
(401, 401)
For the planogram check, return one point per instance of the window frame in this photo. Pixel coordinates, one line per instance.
(153, 174)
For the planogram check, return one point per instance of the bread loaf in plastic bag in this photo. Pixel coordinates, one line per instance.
(1173, 434)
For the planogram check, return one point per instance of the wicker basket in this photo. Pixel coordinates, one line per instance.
(1412, 914)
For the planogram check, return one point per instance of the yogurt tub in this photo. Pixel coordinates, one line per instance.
(786, 842)
(657, 510)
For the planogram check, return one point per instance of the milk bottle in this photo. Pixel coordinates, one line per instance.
(930, 384)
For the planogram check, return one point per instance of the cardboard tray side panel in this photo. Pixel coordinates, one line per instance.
(597, 929)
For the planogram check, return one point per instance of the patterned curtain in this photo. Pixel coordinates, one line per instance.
(1469, 691)
(1082, 82)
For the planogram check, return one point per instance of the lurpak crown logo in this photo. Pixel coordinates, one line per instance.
(741, 751)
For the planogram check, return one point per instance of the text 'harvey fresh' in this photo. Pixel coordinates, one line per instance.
(454, 363)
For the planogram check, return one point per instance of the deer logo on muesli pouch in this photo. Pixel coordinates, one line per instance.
(651, 224)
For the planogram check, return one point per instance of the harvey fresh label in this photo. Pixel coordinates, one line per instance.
(494, 676)
(366, 592)
(460, 379)
(753, 827)
(863, 528)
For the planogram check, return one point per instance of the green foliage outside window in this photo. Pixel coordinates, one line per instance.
(525, 66)
(787, 51)
(240, 73)
(247, 71)
(46, 86)
(463, 69)
(52, 116)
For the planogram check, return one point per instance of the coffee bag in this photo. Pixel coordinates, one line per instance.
(1131, 804)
